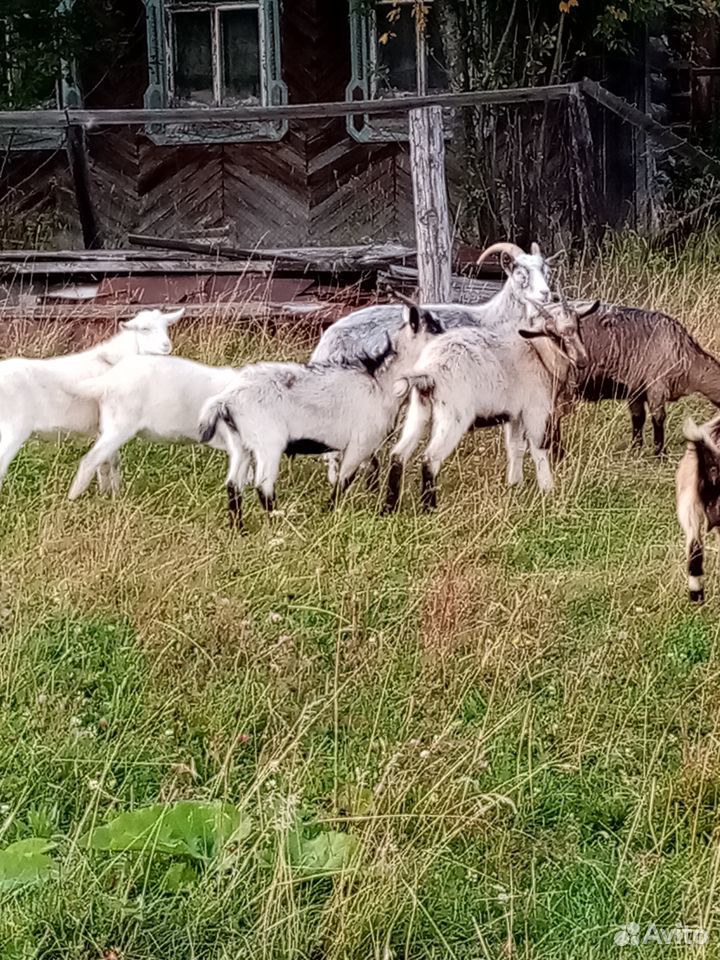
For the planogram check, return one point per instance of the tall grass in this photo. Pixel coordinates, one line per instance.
(509, 703)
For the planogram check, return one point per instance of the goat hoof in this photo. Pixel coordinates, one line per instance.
(697, 597)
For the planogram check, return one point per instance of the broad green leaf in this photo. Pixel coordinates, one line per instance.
(328, 852)
(25, 862)
(187, 828)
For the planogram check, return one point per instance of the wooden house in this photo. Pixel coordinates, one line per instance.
(328, 181)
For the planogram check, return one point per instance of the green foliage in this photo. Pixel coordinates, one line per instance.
(38, 36)
(184, 829)
(320, 855)
(25, 862)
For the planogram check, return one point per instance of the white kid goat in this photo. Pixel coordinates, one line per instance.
(37, 395)
(158, 398)
(475, 376)
(293, 408)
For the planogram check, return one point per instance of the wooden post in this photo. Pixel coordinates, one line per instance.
(432, 219)
(591, 207)
(80, 171)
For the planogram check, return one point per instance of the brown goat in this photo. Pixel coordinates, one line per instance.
(646, 358)
(697, 496)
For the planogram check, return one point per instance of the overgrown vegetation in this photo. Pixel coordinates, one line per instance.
(488, 732)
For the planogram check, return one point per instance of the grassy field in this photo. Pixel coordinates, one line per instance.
(508, 706)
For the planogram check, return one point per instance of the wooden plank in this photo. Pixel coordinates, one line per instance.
(59, 119)
(138, 267)
(661, 134)
(462, 289)
(432, 218)
(321, 259)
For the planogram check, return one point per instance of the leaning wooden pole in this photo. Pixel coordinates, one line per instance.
(79, 165)
(432, 218)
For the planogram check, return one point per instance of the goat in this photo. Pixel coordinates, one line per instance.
(364, 331)
(158, 398)
(37, 396)
(276, 408)
(477, 376)
(647, 358)
(697, 496)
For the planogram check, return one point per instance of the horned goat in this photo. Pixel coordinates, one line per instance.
(647, 358)
(697, 496)
(36, 395)
(475, 376)
(364, 331)
(276, 408)
(158, 398)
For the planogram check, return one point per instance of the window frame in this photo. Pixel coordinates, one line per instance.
(364, 80)
(160, 92)
(67, 95)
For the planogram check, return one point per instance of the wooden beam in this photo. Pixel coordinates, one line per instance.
(32, 119)
(77, 155)
(659, 133)
(432, 219)
(319, 259)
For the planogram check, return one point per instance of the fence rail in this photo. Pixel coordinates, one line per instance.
(60, 119)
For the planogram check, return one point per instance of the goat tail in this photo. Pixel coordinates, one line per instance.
(215, 410)
(422, 382)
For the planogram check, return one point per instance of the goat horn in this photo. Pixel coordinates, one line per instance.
(512, 249)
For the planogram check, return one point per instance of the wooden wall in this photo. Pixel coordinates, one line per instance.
(315, 186)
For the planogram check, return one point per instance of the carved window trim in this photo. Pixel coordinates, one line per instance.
(364, 79)
(159, 92)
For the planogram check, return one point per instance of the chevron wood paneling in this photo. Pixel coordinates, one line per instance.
(317, 185)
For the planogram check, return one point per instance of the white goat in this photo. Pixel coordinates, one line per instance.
(364, 331)
(276, 408)
(159, 398)
(474, 377)
(37, 396)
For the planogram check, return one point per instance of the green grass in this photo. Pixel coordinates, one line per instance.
(509, 704)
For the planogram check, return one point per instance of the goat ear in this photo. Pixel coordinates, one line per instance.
(433, 324)
(587, 311)
(535, 249)
(507, 263)
(530, 333)
(412, 317)
(172, 317)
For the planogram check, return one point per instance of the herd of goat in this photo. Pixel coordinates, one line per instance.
(522, 359)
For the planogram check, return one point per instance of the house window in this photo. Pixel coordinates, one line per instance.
(214, 54)
(33, 77)
(396, 51)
